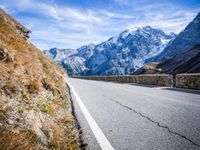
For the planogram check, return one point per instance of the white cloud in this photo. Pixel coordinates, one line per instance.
(70, 27)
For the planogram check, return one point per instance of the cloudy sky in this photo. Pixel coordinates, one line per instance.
(73, 23)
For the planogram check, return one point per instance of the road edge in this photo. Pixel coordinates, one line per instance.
(99, 135)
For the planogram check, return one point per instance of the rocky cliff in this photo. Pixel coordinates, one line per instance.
(35, 107)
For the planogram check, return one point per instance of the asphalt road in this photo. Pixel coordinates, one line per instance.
(136, 117)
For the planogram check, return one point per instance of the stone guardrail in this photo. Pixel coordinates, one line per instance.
(191, 81)
(125, 79)
(158, 79)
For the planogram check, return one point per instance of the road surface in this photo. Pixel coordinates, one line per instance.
(136, 117)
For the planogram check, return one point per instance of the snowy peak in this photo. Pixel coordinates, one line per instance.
(59, 54)
(127, 32)
(144, 30)
(86, 51)
(120, 54)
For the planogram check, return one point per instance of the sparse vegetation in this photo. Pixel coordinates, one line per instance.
(32, 95)
(18, 139)
(45, 107)
(33, 87)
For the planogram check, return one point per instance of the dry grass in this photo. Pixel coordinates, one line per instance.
(18, 139)
(29, 81)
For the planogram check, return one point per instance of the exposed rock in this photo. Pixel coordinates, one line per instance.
(150, 68)
(4, 56)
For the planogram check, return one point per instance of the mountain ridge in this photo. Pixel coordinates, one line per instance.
(185, 62)
(182, 55)
(120, 54)
(186, 39)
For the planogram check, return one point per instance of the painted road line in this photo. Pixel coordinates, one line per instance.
(99, 135)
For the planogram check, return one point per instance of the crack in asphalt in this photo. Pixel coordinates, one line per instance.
(157, 123)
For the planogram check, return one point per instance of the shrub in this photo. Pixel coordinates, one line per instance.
(45, 107)
(33, 87)
(10, 88)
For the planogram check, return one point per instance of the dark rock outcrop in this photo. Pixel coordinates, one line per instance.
(4, 56)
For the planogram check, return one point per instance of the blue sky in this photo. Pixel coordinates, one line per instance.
(73, 23)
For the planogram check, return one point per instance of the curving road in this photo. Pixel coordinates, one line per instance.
(136, 117)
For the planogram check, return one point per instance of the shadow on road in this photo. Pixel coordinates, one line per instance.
(183, 90)
(143, 85)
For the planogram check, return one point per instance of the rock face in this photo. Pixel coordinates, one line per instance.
(186, 40)
(118, 55)
(4, 56)
(185, 62)
(35, 107)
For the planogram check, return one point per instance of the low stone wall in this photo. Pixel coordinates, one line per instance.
(188, 81)
(125, 79)
(191, 81)
(156, 79)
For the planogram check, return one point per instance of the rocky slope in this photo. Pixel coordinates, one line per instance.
(186, 40)
(118, 55)
(35, 107)
(185, 62)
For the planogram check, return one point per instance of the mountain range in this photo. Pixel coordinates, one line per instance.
(119, 55)
(133, 51)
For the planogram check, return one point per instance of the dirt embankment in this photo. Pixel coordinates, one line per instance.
(35, 107)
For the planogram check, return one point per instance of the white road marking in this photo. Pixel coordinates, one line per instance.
(100, 137)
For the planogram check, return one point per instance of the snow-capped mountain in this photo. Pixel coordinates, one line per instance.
(182, 55)
(59, 54)
(72, 60)
(187, 39)
(118, 55)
